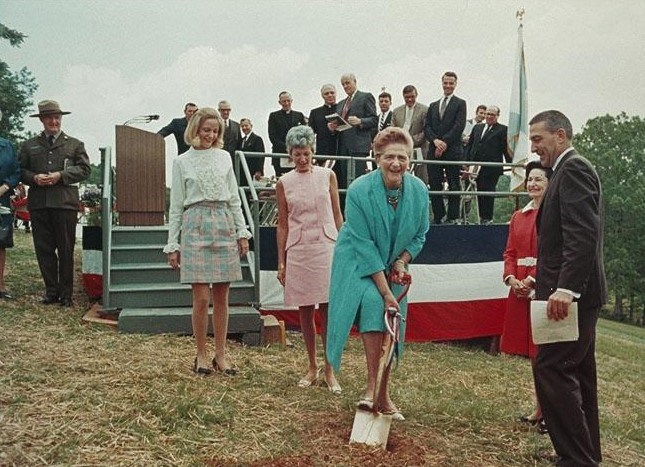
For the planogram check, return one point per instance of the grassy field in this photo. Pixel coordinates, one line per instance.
(73, 393)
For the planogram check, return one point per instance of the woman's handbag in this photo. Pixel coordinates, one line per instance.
(6, 231)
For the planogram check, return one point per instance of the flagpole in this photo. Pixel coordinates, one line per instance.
(518, 142)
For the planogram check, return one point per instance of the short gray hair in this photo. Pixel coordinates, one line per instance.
(553, 121)
(301, 136)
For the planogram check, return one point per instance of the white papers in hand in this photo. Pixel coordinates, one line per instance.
(547, 331)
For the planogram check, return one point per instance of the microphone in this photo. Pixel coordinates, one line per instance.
(142, 119)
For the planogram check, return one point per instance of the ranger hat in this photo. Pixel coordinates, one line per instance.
(49, 107)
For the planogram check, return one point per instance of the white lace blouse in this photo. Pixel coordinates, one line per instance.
(202, 175)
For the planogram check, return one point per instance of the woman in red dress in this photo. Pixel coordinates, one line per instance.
(519, 273)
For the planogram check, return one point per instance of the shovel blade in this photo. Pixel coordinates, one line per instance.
(370, 428)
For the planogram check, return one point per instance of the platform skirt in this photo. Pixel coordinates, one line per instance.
(209, 252)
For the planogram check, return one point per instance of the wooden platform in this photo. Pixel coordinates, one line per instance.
(244, 321)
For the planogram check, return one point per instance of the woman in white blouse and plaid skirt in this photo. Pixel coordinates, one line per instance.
(205, 208)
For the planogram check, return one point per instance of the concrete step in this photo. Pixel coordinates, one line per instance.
(139, 273)
(243, 321)
(161, 295)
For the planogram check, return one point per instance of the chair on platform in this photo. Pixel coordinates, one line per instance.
(468, 182)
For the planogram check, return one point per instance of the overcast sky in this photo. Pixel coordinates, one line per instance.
(108, 61)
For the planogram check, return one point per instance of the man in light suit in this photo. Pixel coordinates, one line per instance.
(231, 129)
(52, 164)
(487, 143)
(177, 127)
(252, 143)
(411, 117)
(445, 122)
(359, 110)
(280, 122)
(570, 267)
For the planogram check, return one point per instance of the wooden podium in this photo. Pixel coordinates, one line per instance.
(140, 176)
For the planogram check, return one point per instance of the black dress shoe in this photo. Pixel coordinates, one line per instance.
(66, 302)
(201, 370)
(5, 296)
(49, 300)
(225, 371)
(528, 421)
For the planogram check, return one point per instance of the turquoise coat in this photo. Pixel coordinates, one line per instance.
(367, 244)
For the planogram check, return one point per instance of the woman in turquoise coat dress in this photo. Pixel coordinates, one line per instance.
(386, 220)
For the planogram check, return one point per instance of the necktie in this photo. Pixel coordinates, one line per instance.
(484, 131)
(50, 139)
(444, 103)
(348, 103)
(408, 118)
(244, 141)
(381, 122)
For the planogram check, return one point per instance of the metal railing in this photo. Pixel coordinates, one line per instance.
(267, 210)
(106, 221)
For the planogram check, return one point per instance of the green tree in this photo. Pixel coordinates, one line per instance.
(616, 146)
(16, 92)
(95, 176)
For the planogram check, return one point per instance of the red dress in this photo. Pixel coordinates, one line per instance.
(519, 261)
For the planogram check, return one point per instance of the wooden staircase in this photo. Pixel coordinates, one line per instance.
(150, 297)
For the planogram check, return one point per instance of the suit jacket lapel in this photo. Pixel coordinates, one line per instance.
(488, 132)
(552, 186)
(416, 115)
(59, 141)
(563, 160)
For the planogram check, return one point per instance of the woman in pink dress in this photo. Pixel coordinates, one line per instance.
(309, 217)
(519, 273)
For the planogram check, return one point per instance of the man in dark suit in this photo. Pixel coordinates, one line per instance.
(487, 143)
(177, 127)
(359, 110)
(280, 122)
(251, 143)
(52, 164)
(445, 122)
(411, 116)
(325, 139)
(570, 267)
(385, 117)
(231, 129)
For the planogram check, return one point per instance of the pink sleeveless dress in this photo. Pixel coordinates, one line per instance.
(311, 239)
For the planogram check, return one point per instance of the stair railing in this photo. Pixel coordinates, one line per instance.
(106, 221)
(251, 212)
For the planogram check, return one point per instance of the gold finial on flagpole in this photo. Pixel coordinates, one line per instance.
(520, 15)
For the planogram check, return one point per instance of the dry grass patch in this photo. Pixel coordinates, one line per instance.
(79, 394)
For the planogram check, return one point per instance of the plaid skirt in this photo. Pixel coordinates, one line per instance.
(209, 251)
